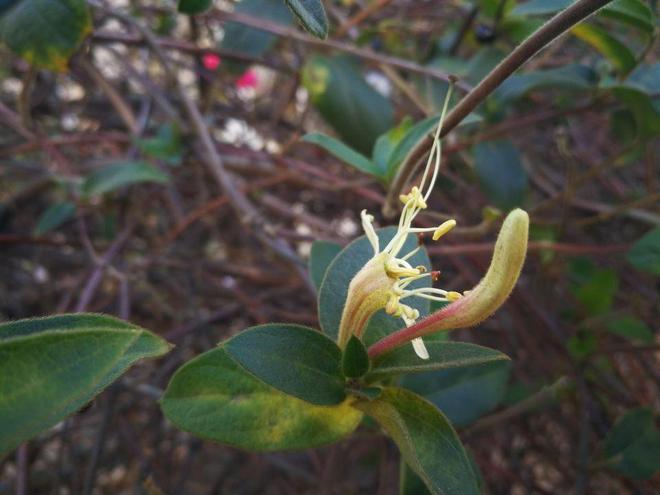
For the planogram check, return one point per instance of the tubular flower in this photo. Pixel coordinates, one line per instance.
(384, 281)
(480, 302)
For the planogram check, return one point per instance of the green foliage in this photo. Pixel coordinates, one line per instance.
(355, 361)
(294, 359)
(51, 367)
(631, 328)
(427, 441)
(253, 42)
(352, 107)
(118, 175)
(632, 446)
(501, 174)
(166, 145)
(322, 254)
(54, 216)
(192, 7)
(463, 394)
(593, 287)
(645, 253)
(442, 355)
(343, 268)
(635, 13)
(213, 397)
(311, 14)
(610, 47)
(573, 77)
(346, 154)
(45, 32)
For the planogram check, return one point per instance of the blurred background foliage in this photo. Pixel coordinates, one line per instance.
(178, 170)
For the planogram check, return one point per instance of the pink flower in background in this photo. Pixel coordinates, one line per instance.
(247, 80)
(211, 61)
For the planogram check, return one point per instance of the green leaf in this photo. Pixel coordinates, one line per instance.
(409, 482)
(426, 440)
(633, 444)
(635, 13)
(249, 41)
(571, 77)
(408, 142)
(343, 152)
(294, 359)
(501, 174)
(352, 107)
(463, 394)
(54, 216)
(192, 7)
(540, 7)
(631, 328)
(213, 397)
(442, 355)
(387, 143)
(118, 175)
(645, 253)
(343, 268)
(611, 48)
(413, 137)
(45, 32)
(311, 14)
(594, 287)
(166, 145)
(51, 367)
(322, 254)
(355, 361)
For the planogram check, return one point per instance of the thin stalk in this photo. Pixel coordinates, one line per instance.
(547, 33)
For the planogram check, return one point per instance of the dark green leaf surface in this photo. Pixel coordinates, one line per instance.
(630, 328)
(501, 175)
(569, 77)
(311, 14)
(610, 47)
(387, 143)
(645, 253)
(51, 367)
(343, 268)
(426, 440)
(592, 286)
(250, 41)
(191, 7)
(540, 7)
(463, 394)
(355, 361)
(45, 32)
(442, 355)
(633, 444)
(632, 12)
(294, 359)
(343, 152)
(322, 254)
(118, 175)
(54, 216)
(352, 107)
(213, 397)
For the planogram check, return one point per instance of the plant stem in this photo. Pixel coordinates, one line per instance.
(551, 30)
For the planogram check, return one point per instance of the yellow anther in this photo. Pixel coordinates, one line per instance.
(443, 228)
(396, 271)
(392, 305)
(453, 296)
(416, 195)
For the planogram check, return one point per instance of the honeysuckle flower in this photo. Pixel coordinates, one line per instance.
(486, 297)
(384, 281)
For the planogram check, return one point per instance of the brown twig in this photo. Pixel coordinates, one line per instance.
(280, 30)
(554, 28)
